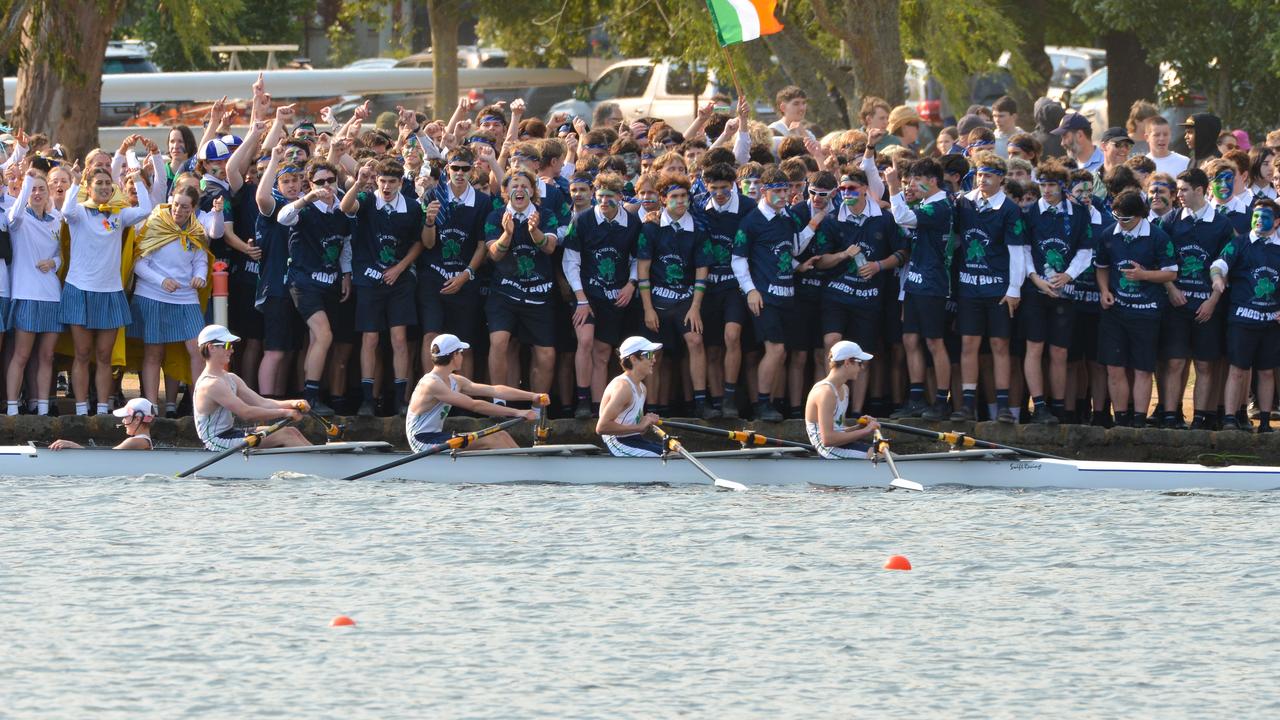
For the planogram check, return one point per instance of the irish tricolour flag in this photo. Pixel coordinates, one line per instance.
(741, 20)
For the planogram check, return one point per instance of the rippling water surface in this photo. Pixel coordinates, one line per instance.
(128, 598)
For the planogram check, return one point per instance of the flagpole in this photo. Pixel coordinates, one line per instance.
(733, 72)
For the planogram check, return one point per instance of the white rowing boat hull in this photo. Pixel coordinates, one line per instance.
(573, 465)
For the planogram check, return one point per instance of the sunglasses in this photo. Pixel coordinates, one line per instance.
(648, 354)
(224, 344)
(819, 193)
(321, 182)
(1123, 218)
(460, 168)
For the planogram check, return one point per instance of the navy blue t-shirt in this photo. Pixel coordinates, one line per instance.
(316, 243)
(1152, 251)
(1055, 236)
(722, 227)
(769, 245)
(383, 238)
(879, 237)
(241, 269)
(927, 270)
(983, 247)
(273, 238)
(1253, 275)
(675, 254)
(606, 251)
(526, 273)
(1196, 244)
(459, 229)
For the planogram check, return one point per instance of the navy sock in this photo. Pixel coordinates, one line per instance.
(717, 401)
(970, 399)
(401, 385)
(366, 389)
(730, 388)
(762, 398)
(1002, 398)
(699, 396)
(1038, 401)
(940, 397)
(311, 391)
(915, 392)
(583, 394)
(1058, 407)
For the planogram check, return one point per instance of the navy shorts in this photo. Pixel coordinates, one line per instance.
(891, 311)
(776, 325)
(1042, 319)
(720, 309)
(853, 322)
(1128, 341)
(562, 313)
(282, 327)
(461, 313)
(608, 320)
(243, 319)
(671, 328)
(924, 315)
(381, 307)
(1183, 338)
(807, 314)
(531, 324)
(1084, 336)
(309, 302)
(984, 317)
(1253, 346)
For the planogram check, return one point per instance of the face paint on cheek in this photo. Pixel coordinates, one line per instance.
(850, 197)
(1221, 187)
(1264, 220)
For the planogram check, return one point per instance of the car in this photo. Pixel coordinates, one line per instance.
(469, 56)
(1071, 65)
(378, 63)
(643, 87)
(1090, 99)
(124, 57)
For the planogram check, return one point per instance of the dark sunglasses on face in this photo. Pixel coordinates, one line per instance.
(321, 182)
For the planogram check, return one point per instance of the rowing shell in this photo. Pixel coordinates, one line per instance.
(587, 465)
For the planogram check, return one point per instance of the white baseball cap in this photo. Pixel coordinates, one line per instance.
(847, 349)
(215, 333)
(636, 344)
(137, 406)
(447, 344)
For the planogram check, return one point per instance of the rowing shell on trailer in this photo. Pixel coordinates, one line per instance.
(588, 465)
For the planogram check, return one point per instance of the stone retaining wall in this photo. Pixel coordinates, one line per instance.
(1073, 441)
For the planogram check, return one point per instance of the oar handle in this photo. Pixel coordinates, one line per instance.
(956, 438)
(251, 440)
(457, 442)
(745, 437)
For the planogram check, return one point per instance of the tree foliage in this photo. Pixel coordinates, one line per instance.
(1229, 51)
(183, 30)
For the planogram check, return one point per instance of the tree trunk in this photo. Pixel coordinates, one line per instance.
(60, 79)
(1130, 77)
(871, 30)
(804, 66)
(1030, 17)
(445, 16)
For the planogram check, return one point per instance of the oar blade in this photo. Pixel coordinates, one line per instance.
(906, 484)
(729, 485)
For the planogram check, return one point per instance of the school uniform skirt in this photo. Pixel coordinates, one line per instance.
(94, 310)
(157, 323)
(35, 316)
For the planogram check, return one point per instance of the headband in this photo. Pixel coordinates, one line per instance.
(1165, 185)
(668, 187)
(480, 139)
(595, 146)
(778, 186)
(493, 118)
(990, 170)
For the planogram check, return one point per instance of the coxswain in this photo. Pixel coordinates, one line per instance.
(829, 399)
(135, 417)
(623, 420)
(221, 397)
(441, 389)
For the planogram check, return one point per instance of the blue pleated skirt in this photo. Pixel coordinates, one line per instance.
(158, 322)
(94, 310)
(35, 316)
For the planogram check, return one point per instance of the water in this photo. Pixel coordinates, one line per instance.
(196, 599)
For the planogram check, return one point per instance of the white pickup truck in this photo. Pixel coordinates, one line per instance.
(643, 87)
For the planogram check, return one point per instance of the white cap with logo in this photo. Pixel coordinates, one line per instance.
(447, 344)
(636, 344)
(215, 333)
(137, 406)
(848, 350)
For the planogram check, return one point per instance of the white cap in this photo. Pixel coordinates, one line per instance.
(447, 344)
(846, 349)
(215, 333)
(636, 344)
(137, 406)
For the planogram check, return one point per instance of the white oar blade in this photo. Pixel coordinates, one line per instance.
(906, 484)
(730, 485)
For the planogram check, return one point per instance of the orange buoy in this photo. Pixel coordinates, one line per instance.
(341, 621)
(897, 562)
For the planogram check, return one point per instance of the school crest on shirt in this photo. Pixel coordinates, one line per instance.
(1263, 282)
(1192, 261)
(524, 266)
(1055, 254)
(975, 247)
(606, 268)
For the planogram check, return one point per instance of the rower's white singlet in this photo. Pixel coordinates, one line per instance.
(428, 423)
(213, 429)
(849, 452)
(630, 445)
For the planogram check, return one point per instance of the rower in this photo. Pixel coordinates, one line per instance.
(441, 389)
(135, 417)
(623, 420)
(824, 409)
(221, 397)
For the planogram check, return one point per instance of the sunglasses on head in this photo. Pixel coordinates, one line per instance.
(321, 182)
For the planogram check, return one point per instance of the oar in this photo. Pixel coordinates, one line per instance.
(671, 443)
(746, 437)
(332, 430)
(954, 438)
(252, 440)
(456, 442)
(542, 430)
(882, 448)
